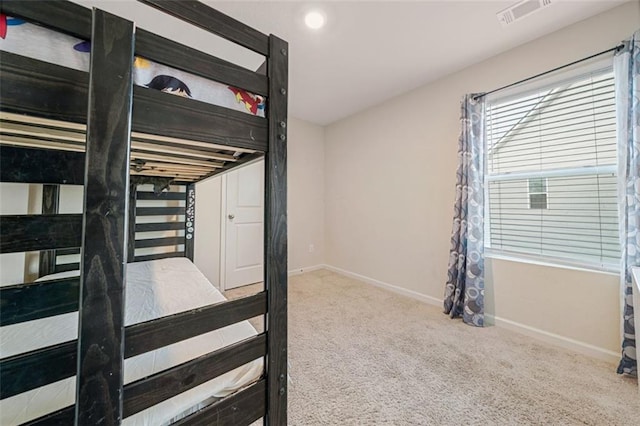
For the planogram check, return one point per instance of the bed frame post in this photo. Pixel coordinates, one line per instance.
(104, 256)
(50, 205)
(190, 221)
(275, 228)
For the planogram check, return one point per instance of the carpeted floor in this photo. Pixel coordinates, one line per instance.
(360, 355)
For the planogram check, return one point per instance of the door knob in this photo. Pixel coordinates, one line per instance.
(231, 216)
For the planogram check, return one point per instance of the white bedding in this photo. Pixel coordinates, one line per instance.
(154, 289)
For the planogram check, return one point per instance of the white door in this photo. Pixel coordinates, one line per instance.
(244, 226)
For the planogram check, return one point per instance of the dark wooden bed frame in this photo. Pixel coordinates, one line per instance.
(106, 100)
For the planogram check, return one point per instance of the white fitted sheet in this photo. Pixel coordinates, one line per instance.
(154, 289)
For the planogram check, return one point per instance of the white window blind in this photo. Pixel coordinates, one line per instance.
(551, 173)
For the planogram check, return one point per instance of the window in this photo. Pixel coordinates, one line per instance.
(538, 193)
(551, 173)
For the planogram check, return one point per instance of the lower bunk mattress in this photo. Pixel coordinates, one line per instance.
(154, 289)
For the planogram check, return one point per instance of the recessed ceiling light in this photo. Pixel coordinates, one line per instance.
(314, 20)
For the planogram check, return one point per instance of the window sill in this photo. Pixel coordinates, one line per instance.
(542, 261)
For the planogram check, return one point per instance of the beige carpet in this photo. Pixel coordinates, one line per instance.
(360, 355)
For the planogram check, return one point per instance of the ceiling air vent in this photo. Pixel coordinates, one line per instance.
(521, 9)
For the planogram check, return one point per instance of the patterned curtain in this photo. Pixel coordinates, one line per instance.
(627, 77)
(464, 291)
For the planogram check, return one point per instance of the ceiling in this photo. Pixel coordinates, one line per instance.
(369, 51)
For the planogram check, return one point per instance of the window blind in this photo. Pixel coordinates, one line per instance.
(551, 173)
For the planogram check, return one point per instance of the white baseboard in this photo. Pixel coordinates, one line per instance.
(403, 291)
(555, 339)
(299, 271)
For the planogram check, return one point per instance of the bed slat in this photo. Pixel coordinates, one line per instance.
(30, 301)
(152, 390)
(68, 252)
(146, 195)
(176, 55)
(65, 267)
(54, 167)
(215, 22)
(24, 372)
(21, 233)
(162, 226)
(159, 242)
(241, 408)
(159, 211)
(157, 256)
(151, 335)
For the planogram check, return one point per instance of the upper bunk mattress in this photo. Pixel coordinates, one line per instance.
(153, 289)
(34, 41)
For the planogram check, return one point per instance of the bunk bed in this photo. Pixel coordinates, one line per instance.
(108, 127)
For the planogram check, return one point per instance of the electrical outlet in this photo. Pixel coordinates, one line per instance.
(312, 248)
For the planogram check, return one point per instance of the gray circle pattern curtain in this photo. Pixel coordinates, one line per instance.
(626, 68)
(464, 290)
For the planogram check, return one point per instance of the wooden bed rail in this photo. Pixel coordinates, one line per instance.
(242, 408)
(42, 89)
(21, 373)
(209, 19)
(176, 55)
(160, 226)
(30, 301)
(144, 393)
(54, 167)
(22, 233)
(66, 17)
(75, 20)
(38, 88)
(149, 391)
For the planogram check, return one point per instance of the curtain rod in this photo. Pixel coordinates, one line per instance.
(616, 49)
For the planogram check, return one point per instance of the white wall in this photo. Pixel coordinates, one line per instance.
(389, 191)
(207, 235)
(305, 194)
